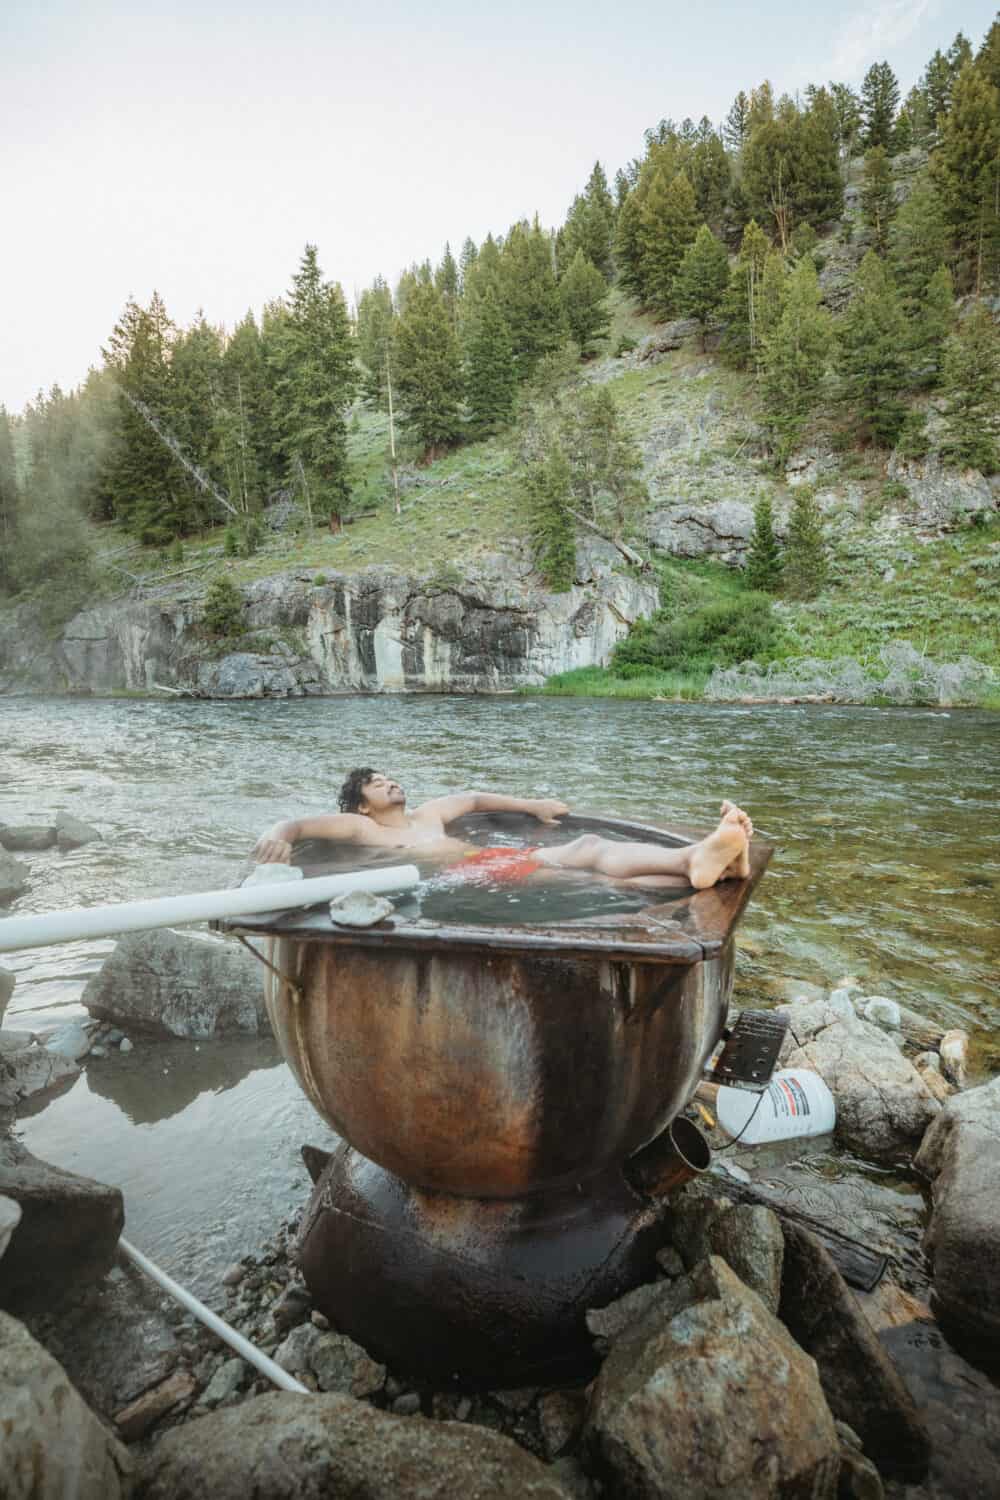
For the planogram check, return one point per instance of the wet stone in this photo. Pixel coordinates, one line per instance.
(291, 1307)
(407, 1405)
(560, 1419)
(669, 1261)
(135, 1420)
(225, 1383)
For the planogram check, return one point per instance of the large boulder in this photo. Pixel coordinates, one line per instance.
(27, 838)
(52, 1446)
(179, 984)
(686, 528)
(14, 875)
(883, 1104)
(68, 1232)
(72, 833)
(290, 1447)
(961, 1155)
(707, 1396)
(860, 1382)
(748, 1238)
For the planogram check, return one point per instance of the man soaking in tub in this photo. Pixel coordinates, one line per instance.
(373, 814)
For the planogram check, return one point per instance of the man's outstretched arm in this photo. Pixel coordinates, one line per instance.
(275, 846)
(545, 809)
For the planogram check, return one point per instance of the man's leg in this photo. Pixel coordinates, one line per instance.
(723, 854)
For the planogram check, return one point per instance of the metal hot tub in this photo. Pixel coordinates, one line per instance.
(489, 1084)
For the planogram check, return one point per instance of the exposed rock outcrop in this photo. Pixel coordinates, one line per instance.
(493, 629)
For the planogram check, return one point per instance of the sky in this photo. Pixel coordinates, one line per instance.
(195, 149)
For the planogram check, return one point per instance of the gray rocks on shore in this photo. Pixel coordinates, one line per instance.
(883, 1104)
(179, 984)
(68, 1232)
(7, 982)
(961, 1155)
(290, 1447)
(686, 1404)
(51, 1444)
(27, 1068)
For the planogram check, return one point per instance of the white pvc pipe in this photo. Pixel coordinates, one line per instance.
(243, 1347)
(203, 906)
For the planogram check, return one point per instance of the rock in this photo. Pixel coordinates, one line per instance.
(13, 877)
(339, 1364)
(669, 1261)
(858, 1478)
(883, 1104)
(295, 1353)
(292, 1307)
(860, 1382)
(71, 1041)
(124, 1045)
(226, 1381)
(574, 1480)
(882, 1012)
(938, 496)
(72, 834)
(68, 1232)
(407, 1405)
(26, 1068)
(935, 1080)
(234, 1275)
(560, 1419)
(915, 1027)
(179, 984)
(27, 839)
(135, 1420)
(10, 1217)
(747, 1236)
(7, 982)
(606, 1323)
(289, 1447)
(52, 1446)
(954, 1053)
(688, 529)
(686, 1405)
(961, 1155)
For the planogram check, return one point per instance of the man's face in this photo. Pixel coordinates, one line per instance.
(382, 793)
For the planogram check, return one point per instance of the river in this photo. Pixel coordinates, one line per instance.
(887, 868)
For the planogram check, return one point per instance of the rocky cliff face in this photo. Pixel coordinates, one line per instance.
(492, 630)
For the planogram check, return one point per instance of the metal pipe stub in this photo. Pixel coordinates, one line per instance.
(678, 1154)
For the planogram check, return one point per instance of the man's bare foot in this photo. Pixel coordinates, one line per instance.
(725, 853)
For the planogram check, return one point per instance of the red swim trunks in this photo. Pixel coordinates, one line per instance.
(500, 865)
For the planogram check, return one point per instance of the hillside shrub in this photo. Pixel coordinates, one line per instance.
(719, 634)
(222, 612)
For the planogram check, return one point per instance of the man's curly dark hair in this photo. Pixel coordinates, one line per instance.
(352, 793)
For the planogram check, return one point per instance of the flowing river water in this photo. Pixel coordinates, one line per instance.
(887, 868)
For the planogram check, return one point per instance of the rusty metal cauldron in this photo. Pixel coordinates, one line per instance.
(494, 1088)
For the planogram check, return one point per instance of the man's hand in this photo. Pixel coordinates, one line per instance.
(269, 850)
(548, 809)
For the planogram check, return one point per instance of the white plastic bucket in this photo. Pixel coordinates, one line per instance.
(795, 1103)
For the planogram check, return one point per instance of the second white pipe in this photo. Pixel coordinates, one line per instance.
(202, 906)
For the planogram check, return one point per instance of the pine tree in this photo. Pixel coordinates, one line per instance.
(918, 242)
(966, 170)
(764, 562)
(970, 382)
(710, 176)
(702, 278)
(795, 356)
(195, 396)
(8, 502)
(930, 327)
(590, 226)
(805, 562)
(736, 130)
(490, 374)
(740, 307)
(547, 497)
(374, 339)
(879, 100)
(768, 178)
(878, 202)
(628, 247)
(988, 56)
(466, 261)
(773, 297)
(937, 82)
(428, 369)
(847, 107)
(529, 296)
(914, 125)
(669, 224)
(818, 191)
(318, 381)
(872, 353)
(584, 292)
(605, 462)
(446, 281)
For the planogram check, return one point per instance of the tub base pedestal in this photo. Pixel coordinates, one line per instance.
(483, 1292)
